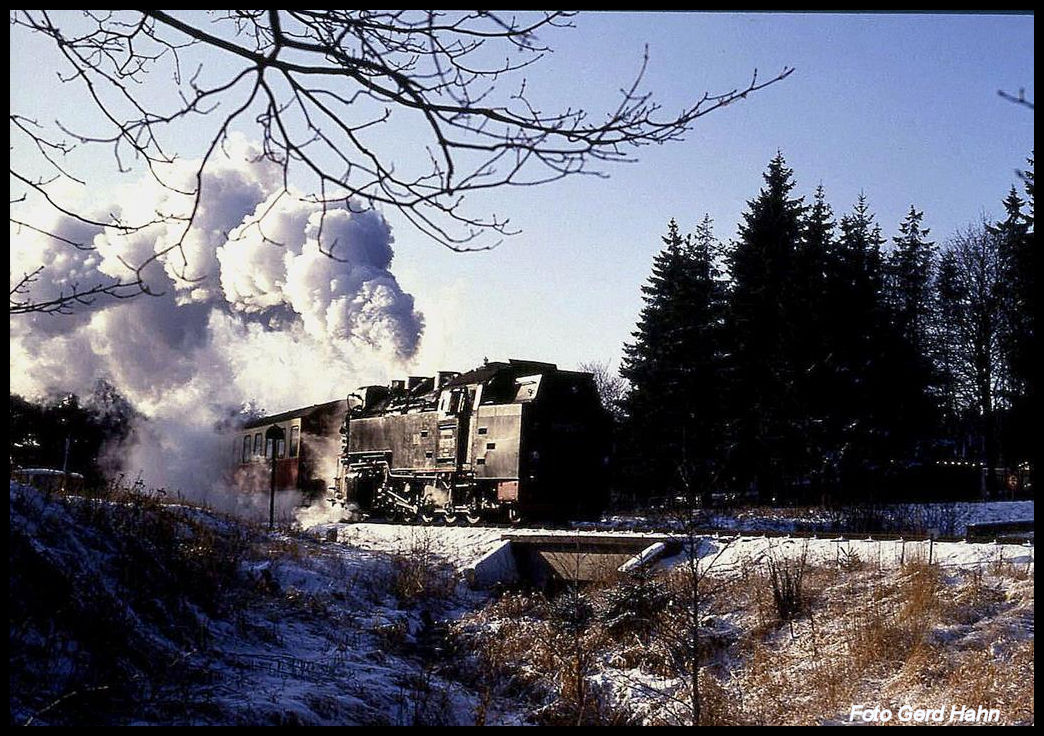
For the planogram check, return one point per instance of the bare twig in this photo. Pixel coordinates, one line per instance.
(1019, 99)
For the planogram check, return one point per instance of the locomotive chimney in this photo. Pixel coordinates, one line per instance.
(445, 377)
(415, 381)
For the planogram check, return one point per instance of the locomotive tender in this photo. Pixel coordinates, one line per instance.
(502, 442)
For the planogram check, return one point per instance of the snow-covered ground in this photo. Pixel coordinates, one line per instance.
(725, 554)
(126, 611)
(462, 547)
(307, 632)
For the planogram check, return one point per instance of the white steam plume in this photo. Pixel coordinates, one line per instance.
(251, 309)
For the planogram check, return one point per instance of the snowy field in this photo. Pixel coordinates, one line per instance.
(307, 632)
(131, 612)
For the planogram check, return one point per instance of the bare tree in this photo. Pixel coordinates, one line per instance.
(685, 638)
(972, 312)
(610, 386)
(320, 89)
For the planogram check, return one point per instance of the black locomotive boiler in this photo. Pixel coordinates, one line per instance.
(502, 442)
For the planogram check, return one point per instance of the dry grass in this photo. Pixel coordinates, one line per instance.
(881, 638)
(850, 633)
(111, 595)
(419, 573)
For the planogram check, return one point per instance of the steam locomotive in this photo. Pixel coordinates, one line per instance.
(502, 442)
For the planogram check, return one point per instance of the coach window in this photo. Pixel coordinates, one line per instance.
(280, 447)
(246, 449)
(268, 449)
(257, 443)
(295, 439)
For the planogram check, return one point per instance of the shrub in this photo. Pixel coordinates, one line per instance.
(786, 578)
(631, 607)
(418, 573)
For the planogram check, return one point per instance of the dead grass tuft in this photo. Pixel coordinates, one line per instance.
(418, 573)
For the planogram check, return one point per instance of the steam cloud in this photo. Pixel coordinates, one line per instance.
(251, 309)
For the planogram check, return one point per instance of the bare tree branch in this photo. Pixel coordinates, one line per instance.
(318, 87)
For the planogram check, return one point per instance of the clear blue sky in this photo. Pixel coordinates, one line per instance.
(901, 107)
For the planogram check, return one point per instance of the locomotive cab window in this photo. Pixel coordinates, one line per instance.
(295, 440)
(453, 402)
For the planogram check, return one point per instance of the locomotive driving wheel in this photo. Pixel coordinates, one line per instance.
(473, 517)
(426, 515)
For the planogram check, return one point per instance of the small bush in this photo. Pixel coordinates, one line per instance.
(571, 612)
(632, 607)
(786, 577)
(418, 573)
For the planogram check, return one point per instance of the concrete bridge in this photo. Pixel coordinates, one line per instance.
(545, 559)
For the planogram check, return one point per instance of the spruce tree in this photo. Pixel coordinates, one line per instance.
(1015, 296)
(818, 386)
(1025, 358)
(1012, 235)
(910, 299)
(909, 281)
(767, 446)
(947, 350)
(865, 348)
(672, 432)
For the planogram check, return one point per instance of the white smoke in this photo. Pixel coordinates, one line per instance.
(325, 450)
(250, 307)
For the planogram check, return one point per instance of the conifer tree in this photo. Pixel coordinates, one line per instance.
(673, 368)
(818, 385)
(767, 449)
(864, 346)
(1015, 294)
(1012, 235)
(1025, 348)
(910, 300)
(909, 281)
(947, 349)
